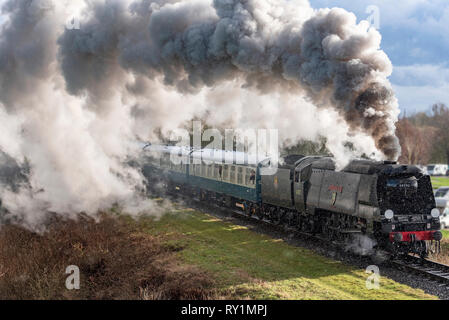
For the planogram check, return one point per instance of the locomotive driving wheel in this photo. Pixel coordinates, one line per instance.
(276, 216)
(301, 227)
(420, 248)
(257, 211)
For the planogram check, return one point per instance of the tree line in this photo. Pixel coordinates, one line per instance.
(424, 136)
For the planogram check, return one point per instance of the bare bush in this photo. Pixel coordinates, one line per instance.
(116, 261)
(416, 142)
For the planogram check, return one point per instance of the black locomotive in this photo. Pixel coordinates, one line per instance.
(391, 204)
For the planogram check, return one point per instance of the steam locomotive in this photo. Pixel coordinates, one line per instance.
(391, 205)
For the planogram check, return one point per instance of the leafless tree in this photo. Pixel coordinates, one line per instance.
(441, 122)
(416, 142)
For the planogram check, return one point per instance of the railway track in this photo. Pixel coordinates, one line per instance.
(432, 270)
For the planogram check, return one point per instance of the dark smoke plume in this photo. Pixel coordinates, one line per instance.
(81, 81)
(269, 44)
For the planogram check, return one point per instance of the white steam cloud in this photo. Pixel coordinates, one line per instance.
(73, 101)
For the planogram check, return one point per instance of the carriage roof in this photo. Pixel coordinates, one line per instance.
(209, 155)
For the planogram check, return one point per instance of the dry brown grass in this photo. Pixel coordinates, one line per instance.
(443, 257)
(115, 259)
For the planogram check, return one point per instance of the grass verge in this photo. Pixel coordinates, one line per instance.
(438, 182)
(248, 265)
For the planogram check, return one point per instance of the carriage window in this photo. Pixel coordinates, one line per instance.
(232, 174)
(198, 170)
(157, 161)
(240, 175)
(216, 172)
(248, 176)
(226, 172)
(166, 161)
(210, 171)
(183, 166)
(203, 170)
(296, 176)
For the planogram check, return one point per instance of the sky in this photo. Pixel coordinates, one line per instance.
(415, 35)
